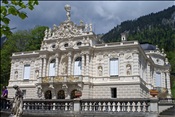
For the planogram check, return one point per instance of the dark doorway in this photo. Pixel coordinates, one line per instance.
(61, 94)
(73, 94)
(48, 94)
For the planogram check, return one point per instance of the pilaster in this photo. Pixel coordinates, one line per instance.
(87, 63)
(69, 63)
(82, 56)
(57, 64)
(44, 67)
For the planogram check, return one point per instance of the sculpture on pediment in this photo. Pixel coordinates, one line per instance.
(49, 32)
(86, 28)
(128, 69)
(68, 8)
(90, 27)
(46, 33)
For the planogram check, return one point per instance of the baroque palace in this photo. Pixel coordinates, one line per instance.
(72, 60)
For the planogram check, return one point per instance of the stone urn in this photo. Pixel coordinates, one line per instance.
(153, 92)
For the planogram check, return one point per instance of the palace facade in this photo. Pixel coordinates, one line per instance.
(72, 61)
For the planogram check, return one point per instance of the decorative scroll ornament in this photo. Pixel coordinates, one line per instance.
(45, 80)
(58, 79)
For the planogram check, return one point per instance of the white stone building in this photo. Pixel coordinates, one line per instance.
(72, 58)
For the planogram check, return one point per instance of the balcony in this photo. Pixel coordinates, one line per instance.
(60, 79)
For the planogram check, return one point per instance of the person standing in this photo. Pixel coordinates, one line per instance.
(4, 92)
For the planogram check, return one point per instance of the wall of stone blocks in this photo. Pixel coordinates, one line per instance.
(123, 91)
(31, 93)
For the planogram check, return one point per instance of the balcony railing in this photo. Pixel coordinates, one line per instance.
(60, 79)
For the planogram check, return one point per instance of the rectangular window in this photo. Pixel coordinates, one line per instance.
(114, 67)
(26, 71)
(113, 92)
(52, 69)
(77, 68)
(158, 79)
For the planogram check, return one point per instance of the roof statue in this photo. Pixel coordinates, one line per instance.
(68, 8)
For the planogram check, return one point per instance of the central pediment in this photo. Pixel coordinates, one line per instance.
(67, 29)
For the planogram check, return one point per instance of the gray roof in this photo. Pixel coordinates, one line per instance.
(148, 46)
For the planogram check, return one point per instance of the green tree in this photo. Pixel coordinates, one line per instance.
(23, 40)
(13, 7)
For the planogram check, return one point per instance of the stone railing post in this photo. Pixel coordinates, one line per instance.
(154, 107)
(77, 104)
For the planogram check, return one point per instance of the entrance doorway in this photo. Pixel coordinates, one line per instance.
(61, 94)
(48, 94)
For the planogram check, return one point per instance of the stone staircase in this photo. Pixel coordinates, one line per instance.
(170, 112)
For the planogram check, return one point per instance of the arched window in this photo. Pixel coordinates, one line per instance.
(61, 94)
(48, 94)
(52, 68)
(77, 66)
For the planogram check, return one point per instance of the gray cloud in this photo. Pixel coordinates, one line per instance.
(102, 14)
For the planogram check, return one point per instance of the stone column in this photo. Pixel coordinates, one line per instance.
(82, 72)
(44, 67)
(69, 63)
(87, 63)
(41, 67)
(121, 65)
(148, 76)
(136, 68)
(57, 64)
(168, 82)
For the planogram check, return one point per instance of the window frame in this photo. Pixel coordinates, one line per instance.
(26, 73)
(116, 73)
(113, 92)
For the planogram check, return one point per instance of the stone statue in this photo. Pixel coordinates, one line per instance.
(128, 69)
(64, 68)
(100, 71)
(16, 74)
(90, 27)
(68, 8)
(86, 28)
(37, 73)
(17, 107)
(46, 33)
(49, 33)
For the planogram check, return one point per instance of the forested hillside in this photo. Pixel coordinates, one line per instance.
(155, 28)
(24, 40)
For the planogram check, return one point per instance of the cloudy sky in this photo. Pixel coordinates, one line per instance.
(104, 15)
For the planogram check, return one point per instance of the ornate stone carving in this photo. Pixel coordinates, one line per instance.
(58, 79)
(128, 56)
(45, 80)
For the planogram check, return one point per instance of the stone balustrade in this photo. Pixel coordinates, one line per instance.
(115, 105)
(142, 105)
